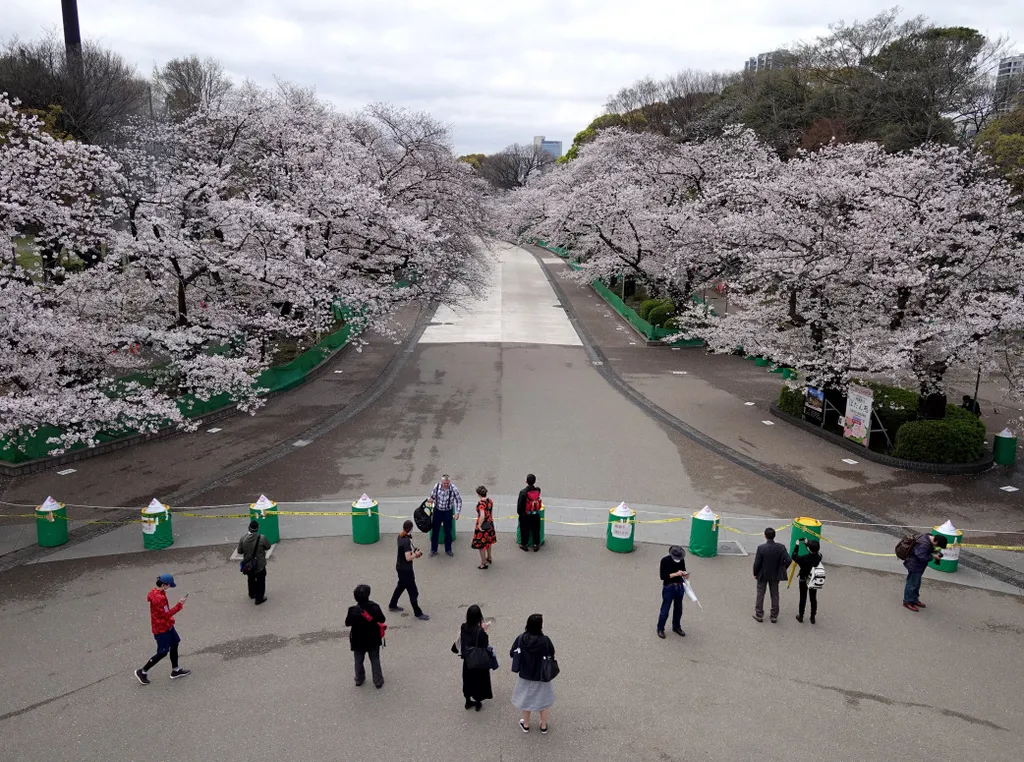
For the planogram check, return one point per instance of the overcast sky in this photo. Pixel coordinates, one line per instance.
(497, 72)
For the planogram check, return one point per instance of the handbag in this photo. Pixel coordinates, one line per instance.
(487, 525)
(516, 654)
(549, 667)
(494, 657)
(248, 565)
(476, 657)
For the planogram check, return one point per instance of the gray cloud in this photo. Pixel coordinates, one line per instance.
(497, 73)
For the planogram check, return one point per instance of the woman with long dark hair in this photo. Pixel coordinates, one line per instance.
(476, 683)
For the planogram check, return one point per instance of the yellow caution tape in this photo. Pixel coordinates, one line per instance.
(990, 547)
(755, 534)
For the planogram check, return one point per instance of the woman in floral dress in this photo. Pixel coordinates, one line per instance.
(483, 534)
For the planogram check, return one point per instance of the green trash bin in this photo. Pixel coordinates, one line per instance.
(806, 527)
(156, 526)
(951, 555)
(519, 532)
(704, 533)
(269, 526)
(365, 521)
(1004, 448)
(51, 524)
(621, 529)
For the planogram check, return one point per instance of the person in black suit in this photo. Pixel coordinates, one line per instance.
(770, 564)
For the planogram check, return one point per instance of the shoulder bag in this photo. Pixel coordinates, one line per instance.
(248, 565)
(549, 665)
(477, 657)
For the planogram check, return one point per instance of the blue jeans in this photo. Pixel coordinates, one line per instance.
(912, 590)
(671, 597)
(441, 518)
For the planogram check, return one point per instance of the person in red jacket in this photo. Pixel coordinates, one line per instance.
(162, 617)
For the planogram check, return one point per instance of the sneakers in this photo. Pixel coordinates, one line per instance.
(141, 677)
(433, 553)
(661, 634)
(911, 606)
(449, 554)
(758, 618)
(544, 729)
(422, 616)
(679, 631)
(176, 673)
(775, 620)
(524, 727)
(395, 608)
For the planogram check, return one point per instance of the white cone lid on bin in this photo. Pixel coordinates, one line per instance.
(264, 504)
(1005, 433)
(49, 505)
(622, 510)
(706, 514)
(155, 506)
(948, 528)
(365, 502)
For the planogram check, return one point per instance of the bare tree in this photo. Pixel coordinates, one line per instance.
(94, 93)
(512, 167)
(669, 106)
(184, 85)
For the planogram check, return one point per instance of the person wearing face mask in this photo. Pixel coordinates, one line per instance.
(673, 574)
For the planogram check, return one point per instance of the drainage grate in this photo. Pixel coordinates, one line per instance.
(731, 548)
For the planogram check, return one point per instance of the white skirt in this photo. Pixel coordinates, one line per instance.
(532, 695)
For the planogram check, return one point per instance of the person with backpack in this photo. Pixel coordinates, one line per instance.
(445, 500)
(161, 616)
(770, 564)
(528, 508)
(473, 648)
(407, 553)
(484, 535)
(366, 626)
(915, 558)
(533, 659)
(806, 563)
(253, 549)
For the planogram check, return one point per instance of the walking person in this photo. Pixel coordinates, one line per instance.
(528, 508)
(927, 548)
(366, 635)
(805, 563)
(406, 576)
(446, 501)
(673, 575)
(253, 547)
(770, 565)
(532, 693)
(484, 535)
(476, 677)
(162, 620)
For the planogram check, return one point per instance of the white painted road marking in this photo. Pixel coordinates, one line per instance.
(1008, 488)
(66, 471)
(851, 461)
(213, 430)
(301, 442)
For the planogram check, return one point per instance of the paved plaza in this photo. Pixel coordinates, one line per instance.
(487, 393)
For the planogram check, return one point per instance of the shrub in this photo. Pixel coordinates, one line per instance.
(893, 406)
(791, 401)
(660, 314)
(647, 306)
(957, 438)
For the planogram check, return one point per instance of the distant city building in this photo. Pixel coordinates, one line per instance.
(553, 147)
(775, 59)
(1010, 83)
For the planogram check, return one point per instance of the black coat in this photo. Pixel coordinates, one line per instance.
(532, 650)
(364, 635)
(476, 683)
(771, 562)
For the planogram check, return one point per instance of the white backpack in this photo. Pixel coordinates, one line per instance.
(816, 580)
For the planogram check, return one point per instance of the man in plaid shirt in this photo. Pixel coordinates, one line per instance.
(446, 500)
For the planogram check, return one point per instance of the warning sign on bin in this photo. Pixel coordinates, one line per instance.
(621, 530)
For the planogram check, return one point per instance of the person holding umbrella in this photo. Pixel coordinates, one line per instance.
(673, 576)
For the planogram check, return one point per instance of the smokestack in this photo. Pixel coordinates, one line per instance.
(72, 32)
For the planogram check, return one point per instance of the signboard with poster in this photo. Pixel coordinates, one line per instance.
(814, 406)
(857, 423)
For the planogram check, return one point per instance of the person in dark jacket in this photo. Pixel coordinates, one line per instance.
(673, 574)
(476, 683)
(770, 564)
(531, 693)
(528, 507)
(364, 635)
(926, 548)
(254, 542)
(805, 563)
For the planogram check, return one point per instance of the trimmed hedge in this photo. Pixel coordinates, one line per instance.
(661, 314)
(893, 406)
(957, 438)
(791, 401)
(646, 307)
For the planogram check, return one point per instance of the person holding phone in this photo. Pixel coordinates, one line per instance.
(805, 563)
(673, 577)
(407, 553)
(162, 620)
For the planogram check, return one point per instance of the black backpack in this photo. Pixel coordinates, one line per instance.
(421, 516)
